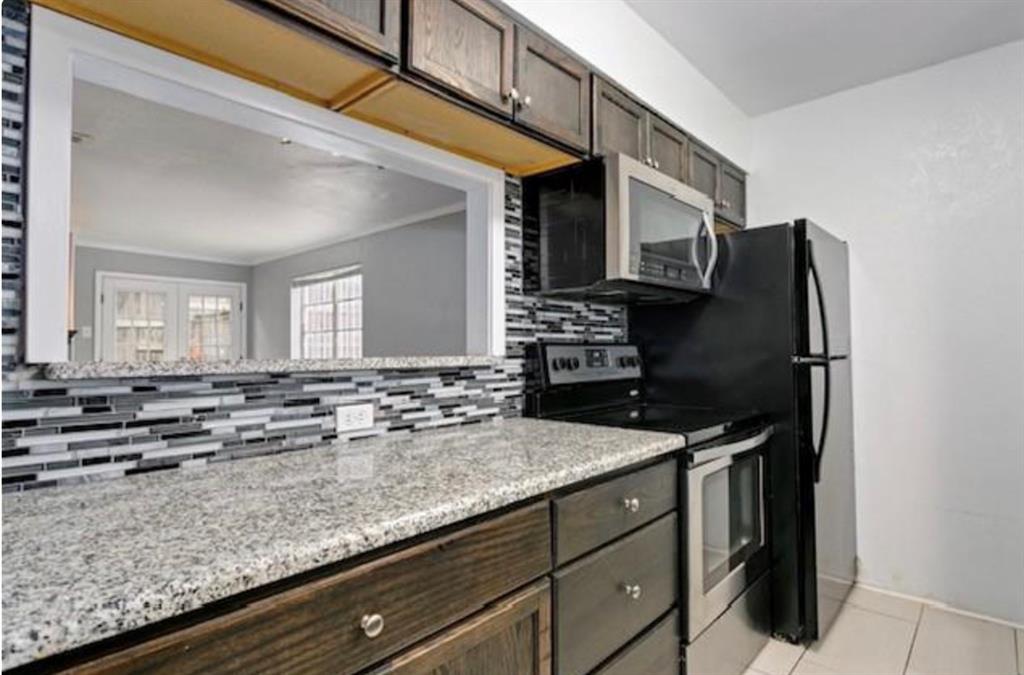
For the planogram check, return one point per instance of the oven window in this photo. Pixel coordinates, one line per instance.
(665, 227)
(732, 517)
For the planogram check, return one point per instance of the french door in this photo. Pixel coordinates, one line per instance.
(144, 318)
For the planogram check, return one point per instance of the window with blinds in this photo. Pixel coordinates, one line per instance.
(327, 315)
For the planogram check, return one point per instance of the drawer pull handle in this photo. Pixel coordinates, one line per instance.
(372, 625)
(631, 504)
(632, 590)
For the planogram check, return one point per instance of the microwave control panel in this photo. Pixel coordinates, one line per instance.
(577, 363)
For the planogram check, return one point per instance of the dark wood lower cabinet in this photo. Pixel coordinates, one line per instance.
(350, 621)
(512, 638)
(481, 600)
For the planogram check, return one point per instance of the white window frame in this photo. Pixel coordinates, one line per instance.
(177, 325)
(297, 284)
(65, 49)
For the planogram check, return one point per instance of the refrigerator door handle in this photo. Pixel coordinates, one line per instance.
(826, 412)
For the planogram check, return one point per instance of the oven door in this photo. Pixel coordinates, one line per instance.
(726, 545)
(659, 231)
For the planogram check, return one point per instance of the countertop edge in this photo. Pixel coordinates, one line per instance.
(98, 370)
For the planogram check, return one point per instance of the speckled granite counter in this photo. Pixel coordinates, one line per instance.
(87, 562)
(91, 370)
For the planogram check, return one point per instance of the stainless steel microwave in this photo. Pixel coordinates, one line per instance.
(613, 228)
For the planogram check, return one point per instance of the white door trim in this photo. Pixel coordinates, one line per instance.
(64, 49)
(239, 288)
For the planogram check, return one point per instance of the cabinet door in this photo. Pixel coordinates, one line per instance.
(670, 149)
(733, 194)
(465, 45)
(553, 90)
(704, 170)
(512, 638)
(374, 24)
(620, 123)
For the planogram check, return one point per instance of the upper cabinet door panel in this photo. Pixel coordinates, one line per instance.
(553, 90)
(373, 24)
(620, 123)
(670, 149)
(733, 189)
(466, 45)
(704, 171)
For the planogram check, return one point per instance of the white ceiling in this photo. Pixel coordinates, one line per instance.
(770, 54)
(154, 178)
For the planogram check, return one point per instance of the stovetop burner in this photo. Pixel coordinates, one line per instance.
(603, 384)
(697, 424)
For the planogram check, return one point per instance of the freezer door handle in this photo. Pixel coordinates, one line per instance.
(827, 405)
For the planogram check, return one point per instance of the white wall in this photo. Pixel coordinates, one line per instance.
(923, 174)
(614, 38)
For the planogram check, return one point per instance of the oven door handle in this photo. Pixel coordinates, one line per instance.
(730, 449)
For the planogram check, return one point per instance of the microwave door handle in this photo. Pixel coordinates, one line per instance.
(705, 277)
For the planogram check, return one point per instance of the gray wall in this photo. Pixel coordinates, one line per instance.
(414, 290)
(89, 260)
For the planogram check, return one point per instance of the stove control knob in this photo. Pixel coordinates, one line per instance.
(575, 364)
(623, 362)
(555, 365)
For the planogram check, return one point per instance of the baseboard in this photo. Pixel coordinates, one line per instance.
(940, 605)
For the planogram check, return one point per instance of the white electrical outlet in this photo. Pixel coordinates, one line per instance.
(353, 417)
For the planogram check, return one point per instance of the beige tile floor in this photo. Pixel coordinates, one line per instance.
(880, 634)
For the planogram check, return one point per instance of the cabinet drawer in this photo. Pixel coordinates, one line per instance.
(589, 518)
(656, 653)
(316, 628)
(596, 613)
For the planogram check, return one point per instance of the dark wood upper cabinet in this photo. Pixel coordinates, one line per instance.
(552, 90)
(704, 170)
(669, 148)
(373, 24)
(620, 122)
(465, 45)
(732, 189)
(512, 638)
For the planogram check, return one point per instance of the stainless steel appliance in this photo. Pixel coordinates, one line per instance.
(617, 229)
(727, 546)
(776, 337)
(724, 540)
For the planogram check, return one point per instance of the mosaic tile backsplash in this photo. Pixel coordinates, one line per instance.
(58, 432)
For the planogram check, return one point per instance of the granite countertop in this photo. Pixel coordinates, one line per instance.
(87, 562)
(73, 370)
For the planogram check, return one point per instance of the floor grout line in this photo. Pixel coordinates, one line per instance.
(913, 639)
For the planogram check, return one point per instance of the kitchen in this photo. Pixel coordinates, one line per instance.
(660, 371)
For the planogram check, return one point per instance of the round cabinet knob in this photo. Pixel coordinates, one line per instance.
(527, 101)
(657, 165)
(632, 590)
(631, 504)
(372, 625)
(513, 94)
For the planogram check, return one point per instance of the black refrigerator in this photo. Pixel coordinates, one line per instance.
(775, 336)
